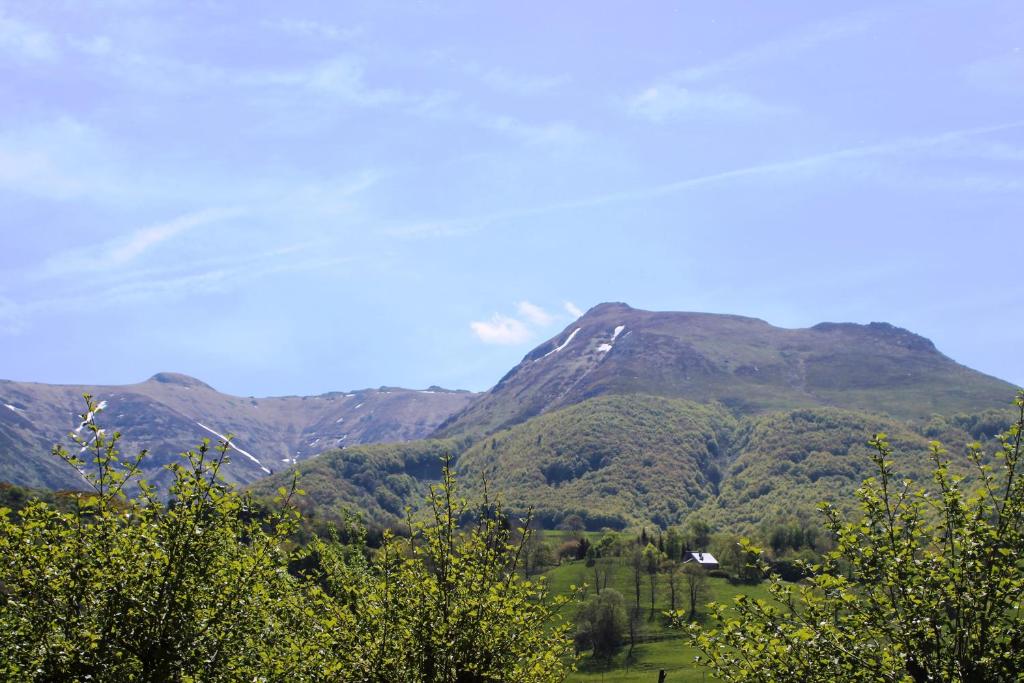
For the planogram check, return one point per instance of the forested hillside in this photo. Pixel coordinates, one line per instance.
(636, 460)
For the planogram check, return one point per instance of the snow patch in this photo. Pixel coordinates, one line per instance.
(234, 447)
(359, 406)
(607, 346)
(15, 408)
(562, 345)
(340, 419)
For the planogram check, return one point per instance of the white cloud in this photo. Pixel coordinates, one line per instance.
(666, 100)
(534, 313)
(572, 309)
(26, 42)
(501, 329)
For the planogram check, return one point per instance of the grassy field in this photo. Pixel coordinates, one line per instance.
(659, 647)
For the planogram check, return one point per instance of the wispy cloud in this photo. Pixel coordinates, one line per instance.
(701, 90)
(501, 329)
(306, 28)
(120, 251)
(342, 78)
(26, 42)
(505, 81)
(115, 287)
(790, 167)
(666, 100)
(555, 133)
(785, 47)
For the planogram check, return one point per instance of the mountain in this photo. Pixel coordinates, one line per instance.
(744, 363)
(171, 412)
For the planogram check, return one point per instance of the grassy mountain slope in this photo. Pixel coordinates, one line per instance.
(170, 412)
(744, 363)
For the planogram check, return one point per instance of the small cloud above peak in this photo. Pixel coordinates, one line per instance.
(501, 329)
(572, 309)
(534, 313)
(509, 330)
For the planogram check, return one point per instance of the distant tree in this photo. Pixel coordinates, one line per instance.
(601, 623)
(925, 585)
(572, 523)
(536, 554)
(741, 564)
(638, 565)
(652, 558)
(582, 547)
(674, 544)
(671, 568)
(695, 581)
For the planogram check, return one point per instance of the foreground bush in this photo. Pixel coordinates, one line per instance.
(925, 586)
(123, 588)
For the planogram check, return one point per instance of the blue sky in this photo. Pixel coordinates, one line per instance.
(309, 196)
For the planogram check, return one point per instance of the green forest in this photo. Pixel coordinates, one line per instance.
(912, 578)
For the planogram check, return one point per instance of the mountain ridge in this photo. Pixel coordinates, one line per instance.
(745, 363)
(170, 412)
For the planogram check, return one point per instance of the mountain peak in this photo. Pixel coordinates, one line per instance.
(607, 307)
(179, 379)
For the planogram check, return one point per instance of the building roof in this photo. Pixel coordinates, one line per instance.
(702, 558)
